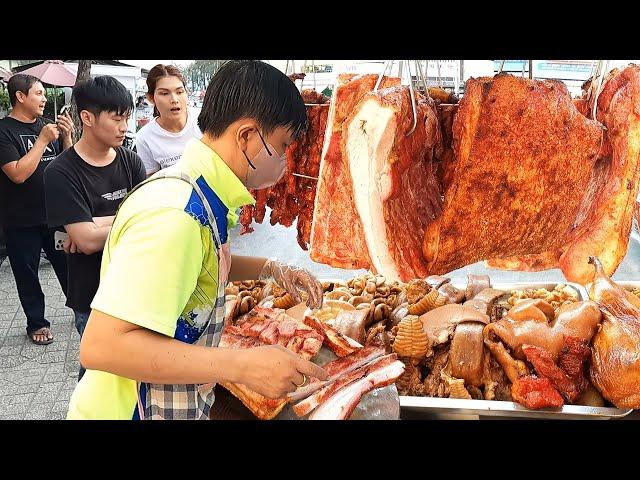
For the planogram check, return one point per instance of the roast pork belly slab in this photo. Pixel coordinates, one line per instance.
(524, 158)
(394, 182)
(605, 230)
(337, 236)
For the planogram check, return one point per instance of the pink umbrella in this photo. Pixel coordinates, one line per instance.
(56, 73)
(5, 74)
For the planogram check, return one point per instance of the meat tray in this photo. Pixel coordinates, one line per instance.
(433, 407)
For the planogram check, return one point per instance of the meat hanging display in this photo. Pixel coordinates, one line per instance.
(524, 156)
(376, 177)
(293, 196)
(539, 184)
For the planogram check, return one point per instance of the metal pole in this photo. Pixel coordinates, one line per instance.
(531, 69)
(55, 103)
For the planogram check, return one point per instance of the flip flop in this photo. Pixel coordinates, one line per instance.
(41, 331)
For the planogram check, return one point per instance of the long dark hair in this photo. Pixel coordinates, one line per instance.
(158, 72)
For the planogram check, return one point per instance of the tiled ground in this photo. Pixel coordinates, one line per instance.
(36, 381)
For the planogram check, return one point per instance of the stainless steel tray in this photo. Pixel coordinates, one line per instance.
(438, 408)
(434, 407)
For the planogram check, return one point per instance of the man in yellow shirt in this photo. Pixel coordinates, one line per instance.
(159, 308)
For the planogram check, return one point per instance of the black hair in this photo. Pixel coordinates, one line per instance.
(103, 94)
(20, 83)
(252, 89)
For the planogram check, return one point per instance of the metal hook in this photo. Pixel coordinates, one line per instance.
(422, 77)
(387, 64)
(602, 73)
(313, 67)
(413, 99)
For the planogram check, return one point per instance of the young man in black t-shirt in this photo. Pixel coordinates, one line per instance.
(85, 185)
(28, 143)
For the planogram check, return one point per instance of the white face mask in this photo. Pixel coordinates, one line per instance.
(266, 168)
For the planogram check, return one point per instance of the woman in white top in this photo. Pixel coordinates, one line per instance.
(160, 143)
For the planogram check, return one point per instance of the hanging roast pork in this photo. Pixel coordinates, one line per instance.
(524, 156)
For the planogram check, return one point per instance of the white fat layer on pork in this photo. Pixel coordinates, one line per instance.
(335, 407)
(370, 136)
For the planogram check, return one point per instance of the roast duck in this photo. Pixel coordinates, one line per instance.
(615, 352)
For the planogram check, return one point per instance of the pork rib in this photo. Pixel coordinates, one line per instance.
(264, 326)
(342, 403)
(310, 403)
(293, 196)
(337, 368)
(524, 157)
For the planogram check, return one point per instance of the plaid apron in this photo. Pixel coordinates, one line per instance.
(189, 402)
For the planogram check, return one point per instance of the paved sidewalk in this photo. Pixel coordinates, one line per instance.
(36, 381)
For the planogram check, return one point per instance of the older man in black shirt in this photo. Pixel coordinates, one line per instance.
(28, 143)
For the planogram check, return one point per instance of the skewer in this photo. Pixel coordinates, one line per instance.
(304, 176)
(501, 66)
(316, 104)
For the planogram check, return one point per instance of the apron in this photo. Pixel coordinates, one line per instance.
(189, 402)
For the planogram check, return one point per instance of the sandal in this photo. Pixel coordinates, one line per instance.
(41, 332)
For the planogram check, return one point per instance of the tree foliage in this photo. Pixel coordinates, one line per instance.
(200, 72)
